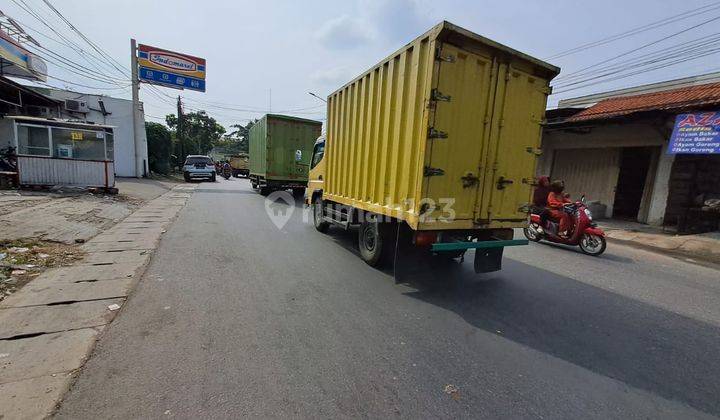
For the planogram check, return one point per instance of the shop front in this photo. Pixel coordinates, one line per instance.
(55, 152)
(652, 158)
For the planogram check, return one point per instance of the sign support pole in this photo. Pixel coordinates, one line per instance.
(137, 122)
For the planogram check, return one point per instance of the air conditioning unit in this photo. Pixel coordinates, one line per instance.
(76, 106)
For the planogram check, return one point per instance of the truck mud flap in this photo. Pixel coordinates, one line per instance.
(415, 264)
(488, 260)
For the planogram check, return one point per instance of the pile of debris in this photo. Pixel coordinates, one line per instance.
(23, 260)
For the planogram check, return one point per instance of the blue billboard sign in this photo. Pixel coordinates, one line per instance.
(696, 133)
(170, 79)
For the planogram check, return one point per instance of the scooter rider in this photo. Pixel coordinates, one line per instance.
(556, 200)
(540, 195)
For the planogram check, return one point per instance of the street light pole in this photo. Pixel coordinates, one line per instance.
(316, 96)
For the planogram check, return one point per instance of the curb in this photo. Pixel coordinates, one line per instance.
(707, 260)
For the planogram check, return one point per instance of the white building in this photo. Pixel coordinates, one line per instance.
(105, 110)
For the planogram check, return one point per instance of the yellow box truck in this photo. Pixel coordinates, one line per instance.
(240, 165)
(433, 149)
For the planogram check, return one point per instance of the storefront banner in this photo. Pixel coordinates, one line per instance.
(696, 134)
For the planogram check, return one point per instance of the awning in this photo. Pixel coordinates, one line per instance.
(59, 123)
(19, 95)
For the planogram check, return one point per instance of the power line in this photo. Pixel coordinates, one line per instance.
(78, 69)
(73, 68)
(704, 49)
(637, 72)
(68, 42)
(645, 45)
(99, 50)
(79, 84)
(637, 30)
(241, 108)
(687, 46)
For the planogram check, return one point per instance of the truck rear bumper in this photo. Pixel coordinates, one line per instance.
(456, 246)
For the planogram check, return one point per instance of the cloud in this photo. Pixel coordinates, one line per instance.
(399, 19)
(344, 32)
(330, 79)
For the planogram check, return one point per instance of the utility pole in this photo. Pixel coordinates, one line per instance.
(180, 139)
(137, 122)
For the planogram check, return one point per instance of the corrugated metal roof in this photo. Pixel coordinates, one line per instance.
(58, 122)
(687, 97)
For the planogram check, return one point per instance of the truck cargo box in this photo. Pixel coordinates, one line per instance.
(280, 149)
(240, 164)
(447, 127)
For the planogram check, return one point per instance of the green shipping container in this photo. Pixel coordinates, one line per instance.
(281, 149)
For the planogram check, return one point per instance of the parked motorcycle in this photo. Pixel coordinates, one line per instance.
(8, 159)
(584, 232)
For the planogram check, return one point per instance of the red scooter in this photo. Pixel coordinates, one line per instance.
(583, 231)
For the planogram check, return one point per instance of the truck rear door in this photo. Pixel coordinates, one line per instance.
(515, 134)
(462, 96)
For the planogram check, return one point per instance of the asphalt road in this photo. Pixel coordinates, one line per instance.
(236, 318)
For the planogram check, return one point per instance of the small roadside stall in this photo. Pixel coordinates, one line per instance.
(59, 152)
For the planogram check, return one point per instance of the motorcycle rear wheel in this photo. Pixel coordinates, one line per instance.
(531, 233)
(592, 244)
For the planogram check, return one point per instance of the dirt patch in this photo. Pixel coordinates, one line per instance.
(23, 260)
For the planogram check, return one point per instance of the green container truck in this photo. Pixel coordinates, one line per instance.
(280, 152)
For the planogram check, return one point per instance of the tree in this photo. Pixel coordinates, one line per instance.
(159, 143)
(200, 133)
(242, 134)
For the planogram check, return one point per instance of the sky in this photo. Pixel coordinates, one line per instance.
(266, 56)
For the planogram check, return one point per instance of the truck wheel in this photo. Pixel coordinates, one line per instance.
(375, 241)
(265, 191)
(298, 192)
(320, 224)
(213, 179)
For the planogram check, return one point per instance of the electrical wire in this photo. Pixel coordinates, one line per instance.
(118, 83)
(664, 38)
(67, 41)
(689, 54)
(83, 85)
(687, 47)
(119, 67)
(637, 30)
(637, 72)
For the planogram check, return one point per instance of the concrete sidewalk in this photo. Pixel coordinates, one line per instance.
(49, 327)
(67, 214)
(704, 247)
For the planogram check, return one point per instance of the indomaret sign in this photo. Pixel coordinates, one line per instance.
(171, 69)
(697, 133)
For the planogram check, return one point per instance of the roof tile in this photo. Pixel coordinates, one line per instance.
(685, 97)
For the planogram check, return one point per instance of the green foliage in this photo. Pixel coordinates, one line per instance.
(200, 133)
(159, 143)
(238, 141)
